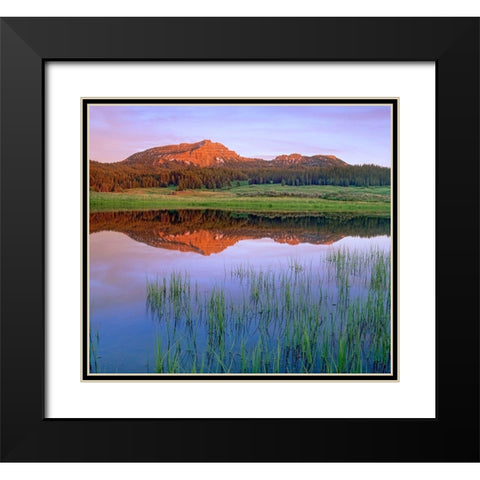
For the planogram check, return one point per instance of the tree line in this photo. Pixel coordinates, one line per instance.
(114, 177)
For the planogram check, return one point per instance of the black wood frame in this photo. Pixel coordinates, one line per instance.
(28, 43)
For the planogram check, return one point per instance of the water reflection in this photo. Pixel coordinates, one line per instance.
(291, 293)
(211, 231)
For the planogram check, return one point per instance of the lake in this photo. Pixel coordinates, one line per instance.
(215, 292)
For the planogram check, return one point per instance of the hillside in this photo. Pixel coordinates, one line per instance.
(314, 160)
(210, 154)
(211, 165)
(201, 154)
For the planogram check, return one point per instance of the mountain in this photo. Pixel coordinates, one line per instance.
(211, 165)
(201, 154)
(313, 161)
(208, 154)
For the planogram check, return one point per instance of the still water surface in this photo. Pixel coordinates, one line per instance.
(130, 250)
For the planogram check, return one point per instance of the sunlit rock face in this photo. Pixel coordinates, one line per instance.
(314, 160)
(201, 154)
(208, 154)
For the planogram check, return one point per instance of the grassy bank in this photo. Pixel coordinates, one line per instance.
(371, 201)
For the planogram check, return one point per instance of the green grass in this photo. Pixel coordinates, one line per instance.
(371, 201)
(290, 320)
(94, 356)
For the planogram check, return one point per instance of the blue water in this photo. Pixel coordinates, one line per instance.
(121, 265)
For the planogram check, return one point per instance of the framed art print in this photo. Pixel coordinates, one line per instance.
(243, 240)
(204, 263)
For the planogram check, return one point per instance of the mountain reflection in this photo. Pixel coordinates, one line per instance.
(212, 231)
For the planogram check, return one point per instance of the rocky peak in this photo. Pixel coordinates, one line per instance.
(314, 160)
(291, 158)
(202, 154)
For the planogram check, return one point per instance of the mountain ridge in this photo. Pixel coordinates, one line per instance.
(207, 154)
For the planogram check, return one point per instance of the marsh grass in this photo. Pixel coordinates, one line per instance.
(94, 341)
(333, 317)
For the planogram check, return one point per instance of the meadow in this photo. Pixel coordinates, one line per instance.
(312, 199)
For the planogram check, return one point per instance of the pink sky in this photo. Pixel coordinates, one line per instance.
(357, 134)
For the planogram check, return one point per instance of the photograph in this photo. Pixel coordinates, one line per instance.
(244, 239)
(222, 233)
